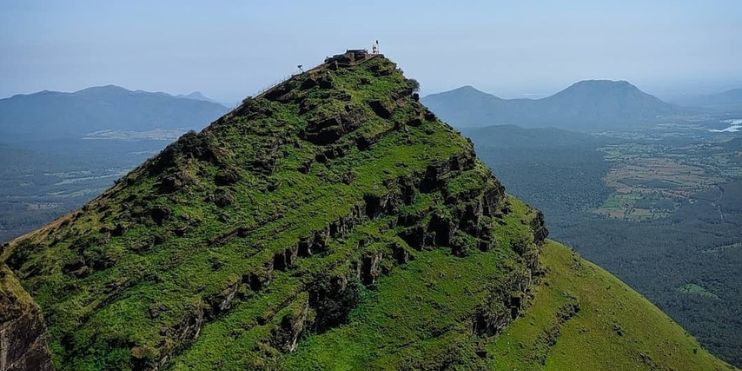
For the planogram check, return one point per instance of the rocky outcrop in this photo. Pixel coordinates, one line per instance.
(276, 219)
(23, 344)
(539, 228)
(348, 58)
(328, 128)
(549, 336)
(261, 278)
(505, 301)
(286, 335)
(510, 296)
(332, 297)
(382, 108)
(370, 268)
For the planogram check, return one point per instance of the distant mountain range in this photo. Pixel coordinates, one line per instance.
(197, 95)
(587, 105)
(727, 101)
(57, 115)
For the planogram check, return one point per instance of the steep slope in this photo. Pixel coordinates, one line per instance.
(270, 224)
(331, 221)
(586, 105)
(580, 318)
(54, 115)
(584, 318)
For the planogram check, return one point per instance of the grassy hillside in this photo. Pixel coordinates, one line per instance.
(273, 223)
(419, 314)
(331, 222)
(43, 180)
(584, 318)
(581, 318)
(417, 317)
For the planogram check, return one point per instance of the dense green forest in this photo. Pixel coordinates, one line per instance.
(677, 243)
(41, 180)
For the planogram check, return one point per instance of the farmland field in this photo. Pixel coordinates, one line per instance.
(651, 181)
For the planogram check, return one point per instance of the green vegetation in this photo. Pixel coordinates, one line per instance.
(331, 222)
(271, 223)
(693, 289)
(651, 181)
(583, 318)
(679, 224)
(419, 317)
(46, 179)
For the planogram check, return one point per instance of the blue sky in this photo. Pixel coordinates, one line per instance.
(231, 49)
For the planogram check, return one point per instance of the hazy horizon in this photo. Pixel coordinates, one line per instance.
(231, 50)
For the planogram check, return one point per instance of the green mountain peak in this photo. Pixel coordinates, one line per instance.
(330, 222)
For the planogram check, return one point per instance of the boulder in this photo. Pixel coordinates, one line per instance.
(285, 337)
(327, 129)
(332, 297)
(382, 108)
(370, 268)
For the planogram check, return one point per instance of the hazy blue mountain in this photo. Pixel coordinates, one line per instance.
(586, 105)
(467, 107)
(197, 95)
(55, 115)
(727, 101)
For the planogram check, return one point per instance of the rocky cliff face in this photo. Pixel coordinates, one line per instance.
(22, 329)
(279, 221)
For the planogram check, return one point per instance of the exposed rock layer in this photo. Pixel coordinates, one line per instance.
(22, 330)
(273, 224)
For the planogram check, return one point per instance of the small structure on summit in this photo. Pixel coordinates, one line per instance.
(349, 58)
(353, 56)
(375, 47)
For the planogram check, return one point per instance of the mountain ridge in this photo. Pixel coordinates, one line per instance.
(197, 95)
(333, 202)
(255, 157)
(54, 115)
(586, 105)
(728, 100)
